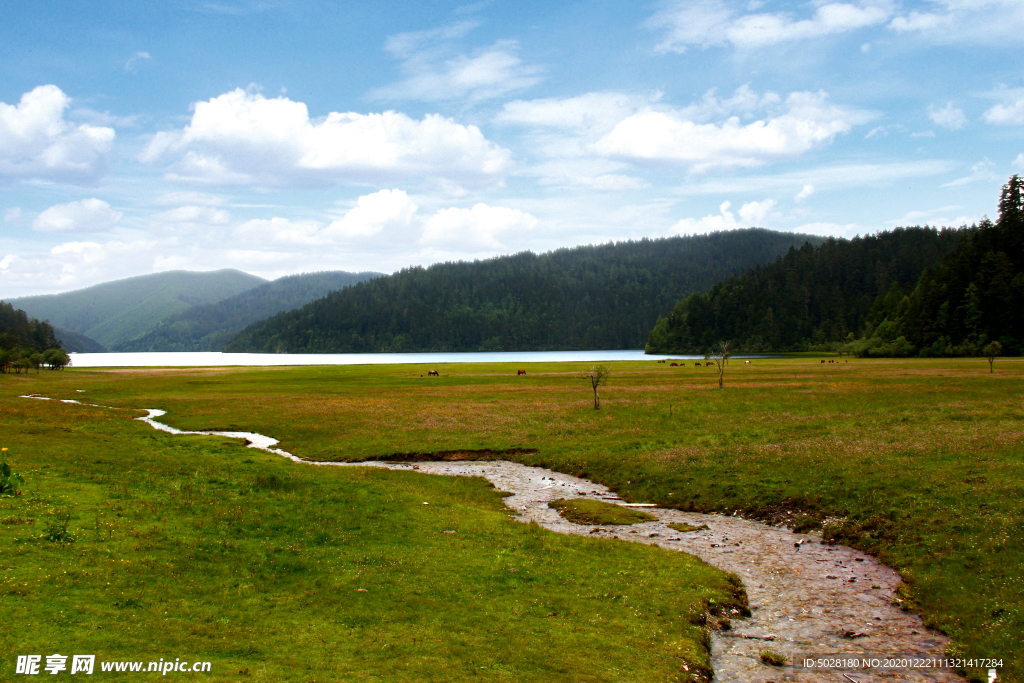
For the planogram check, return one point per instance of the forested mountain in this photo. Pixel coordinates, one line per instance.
(209, 327)
(76, 342)
(593, 297)
(812, 297)
(17, 331)
(973, 297)
(115, 312)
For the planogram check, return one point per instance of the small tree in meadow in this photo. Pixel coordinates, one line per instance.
(598, 375)
(721, 358)
(991, 351)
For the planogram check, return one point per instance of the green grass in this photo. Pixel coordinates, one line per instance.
(772, 658)
(584, 511)
(196, 547)
(682, 527)
(920, 462)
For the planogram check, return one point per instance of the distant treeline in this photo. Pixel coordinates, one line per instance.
(910, 291)
(593, 297)
(973, 297)
(208, 327)
(27, 343)
(18, 331)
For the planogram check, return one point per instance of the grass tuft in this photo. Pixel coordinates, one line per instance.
(586, 511)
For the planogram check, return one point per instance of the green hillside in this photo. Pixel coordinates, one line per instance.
(77, 342)
(115, 312)
(209, 327)
(810, 298)
(592, 297)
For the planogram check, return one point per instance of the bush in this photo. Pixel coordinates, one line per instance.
(9, 480)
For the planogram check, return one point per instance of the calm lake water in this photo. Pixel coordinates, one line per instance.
(213, 358)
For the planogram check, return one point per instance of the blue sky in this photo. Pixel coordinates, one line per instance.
(278, 137)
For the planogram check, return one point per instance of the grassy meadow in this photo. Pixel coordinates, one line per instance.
(256, 563)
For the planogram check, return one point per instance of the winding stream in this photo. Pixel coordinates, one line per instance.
(808, 600)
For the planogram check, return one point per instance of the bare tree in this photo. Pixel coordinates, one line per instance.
(598, 375)
(720, 355)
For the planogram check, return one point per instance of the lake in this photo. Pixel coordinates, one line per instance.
(215, 358)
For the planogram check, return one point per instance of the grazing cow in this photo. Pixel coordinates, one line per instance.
(520, 372)
(822, 362)
(661, 361)
(674, 365)
(746, 362)
(433, 373)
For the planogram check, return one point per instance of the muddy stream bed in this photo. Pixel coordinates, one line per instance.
(808, 600)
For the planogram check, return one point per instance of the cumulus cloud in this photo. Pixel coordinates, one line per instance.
(37, 142)
(87, 215)
(805, 121)
(948, 117)
(804, 193)
(708, 23)
(486, 73)
(752, 214)
(244, 138)
(374, 213)
(1010, 112)
(475, 229)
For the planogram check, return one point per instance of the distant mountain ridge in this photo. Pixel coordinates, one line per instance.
(113, 313)
(590, 297)
(209, 327)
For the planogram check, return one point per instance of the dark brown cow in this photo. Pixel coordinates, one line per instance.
(674, 365)
(520, 372)
(433, 373)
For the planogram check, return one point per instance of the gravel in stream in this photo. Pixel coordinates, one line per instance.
(808, 600)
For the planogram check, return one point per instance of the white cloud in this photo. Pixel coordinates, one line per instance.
(708, 23)
(831, 177)
(405, 45)
(1010, 112)
(595, 110)
(474, 229)
(965, 21)
(981, 171)
(948, 117)
(487, 73)
(804, 193)
(189, 219)
(132, 65)
(374, 213)
(1018, 162)
(832, 229)
(36, 142)
(87, 215)
(807, 120)
(752, 214)
(14, 215)
(194, 198)
(245, 138)
(282, 231)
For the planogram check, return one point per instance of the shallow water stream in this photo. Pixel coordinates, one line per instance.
(808, 599)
